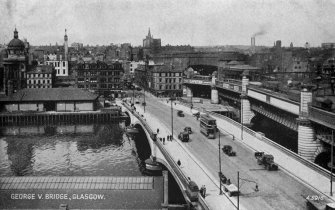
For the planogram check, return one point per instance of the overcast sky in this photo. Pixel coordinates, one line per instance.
(176, 22)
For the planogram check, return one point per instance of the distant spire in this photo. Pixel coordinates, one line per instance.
(16, 34)
(149, 34)
(65, 36)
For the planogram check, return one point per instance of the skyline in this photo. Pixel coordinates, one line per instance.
(193, 22)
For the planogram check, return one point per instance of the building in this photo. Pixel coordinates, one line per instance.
(50, 99)
(160, 79)
(42, 76)
(59, 60)
(329, 45)
(77, 45)
(100, 77)
(234, 70)
(151, 45)
(59, 63)
(15, 64)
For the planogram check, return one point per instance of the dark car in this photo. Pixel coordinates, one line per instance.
(188, 130)
(180, 113)
(183, 136)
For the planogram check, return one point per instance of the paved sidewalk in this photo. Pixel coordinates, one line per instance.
(191, 167)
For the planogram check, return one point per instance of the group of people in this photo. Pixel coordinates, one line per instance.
(168, 137)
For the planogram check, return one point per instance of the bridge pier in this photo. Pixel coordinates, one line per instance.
(214, 95)
(246, 113)
(308, 145)
(189, 93)
(165, 205)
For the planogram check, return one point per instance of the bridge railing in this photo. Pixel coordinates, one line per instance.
(322, 115)
(176, 169)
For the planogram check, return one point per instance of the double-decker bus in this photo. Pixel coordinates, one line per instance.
(208, 126)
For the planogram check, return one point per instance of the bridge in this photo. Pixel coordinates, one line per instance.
(287, 188)
(166, 153)
(294, 111)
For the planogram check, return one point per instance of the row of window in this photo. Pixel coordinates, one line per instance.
(102, 86)
(102, 73)
(169, 80)
(45, 81)
(56, 63)
(38, 75)
(102, 80)
(39, 86)
(169, 87)
(169, 74)
(58, 71)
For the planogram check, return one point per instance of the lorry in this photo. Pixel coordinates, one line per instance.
(228, 150)
(267, 160)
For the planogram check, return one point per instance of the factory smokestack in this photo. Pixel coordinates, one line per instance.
(253, 41)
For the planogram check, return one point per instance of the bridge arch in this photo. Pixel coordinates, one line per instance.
(144, 134)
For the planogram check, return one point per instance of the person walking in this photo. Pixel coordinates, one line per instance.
(164, 140)
(204, 192)
(157, 130)
(178, 162)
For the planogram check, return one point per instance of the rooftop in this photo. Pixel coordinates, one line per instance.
(41, 69)
(51, 94)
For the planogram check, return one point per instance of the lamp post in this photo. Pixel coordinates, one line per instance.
(172, 99)
(220, 172)
(332, 164)
(133, 93)
(242, 96)
(144, 103)
(238, 188)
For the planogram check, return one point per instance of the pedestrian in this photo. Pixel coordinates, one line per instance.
(204, 191)
(157, 130)
(171, 137)
(178, 162)
(160, 139)
(167, 137)
(164, 140)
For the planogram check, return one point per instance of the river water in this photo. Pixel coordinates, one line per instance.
(67, 150)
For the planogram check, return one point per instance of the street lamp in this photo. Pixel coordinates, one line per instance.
(133, 93)
(172, 99)
(332, 164)
(242, 97)
(220, 172)
(238, 188)
(144, 104)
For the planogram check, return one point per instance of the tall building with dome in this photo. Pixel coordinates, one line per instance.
(15, 63)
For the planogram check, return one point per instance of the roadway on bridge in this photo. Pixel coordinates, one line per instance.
(277, 190)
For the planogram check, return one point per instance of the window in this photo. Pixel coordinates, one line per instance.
(63, 63)
(64, 71)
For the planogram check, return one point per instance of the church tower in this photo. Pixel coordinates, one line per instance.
(66, 46)
(15, 65)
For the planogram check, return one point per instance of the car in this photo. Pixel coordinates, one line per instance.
(183, 136)
(188, 130)
(180, 113)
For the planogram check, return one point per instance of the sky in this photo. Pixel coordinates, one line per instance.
(175, 22)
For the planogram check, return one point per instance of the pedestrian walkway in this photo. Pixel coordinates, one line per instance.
(76, 182)
(190, 166)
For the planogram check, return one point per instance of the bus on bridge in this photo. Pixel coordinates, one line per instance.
(208, 126)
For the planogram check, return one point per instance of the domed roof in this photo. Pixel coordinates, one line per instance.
(16, 43)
